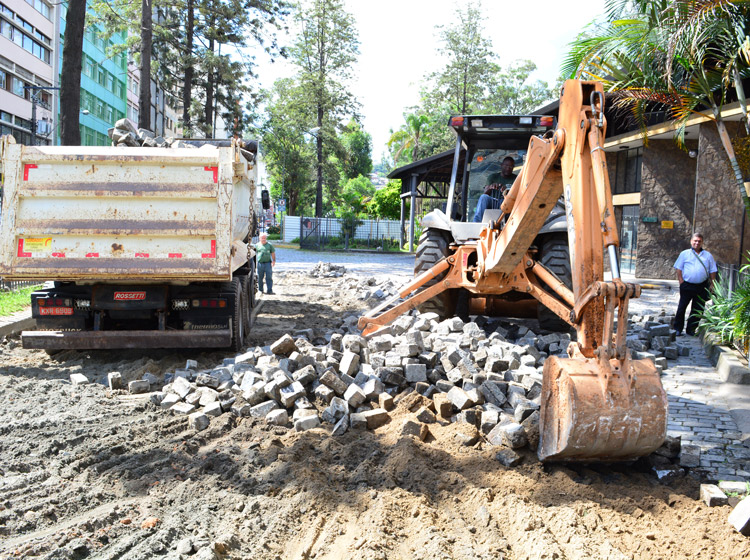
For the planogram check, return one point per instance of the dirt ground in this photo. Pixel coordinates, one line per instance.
(85, 473)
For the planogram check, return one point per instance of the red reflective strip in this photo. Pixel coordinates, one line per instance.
(26, 168)
(60, 255)
(92, 254)
(141, 255)
(175, 255)
(21, 252)
(214, 169)
(212, 254)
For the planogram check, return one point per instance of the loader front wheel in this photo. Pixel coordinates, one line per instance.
(556, 258)
(434, 246)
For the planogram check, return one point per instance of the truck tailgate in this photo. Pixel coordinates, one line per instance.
(98, 213)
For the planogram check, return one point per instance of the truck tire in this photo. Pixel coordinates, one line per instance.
(556, 258)
(238, 316)
(434, 246)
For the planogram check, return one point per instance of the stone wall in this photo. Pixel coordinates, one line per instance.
(667, 193)
(719, 212)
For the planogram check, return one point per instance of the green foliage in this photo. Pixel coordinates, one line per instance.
(273, 236)
(727, 317)
(514, 93)
(386, 202)
(17, 300)
(683, 56)
(273, 230)
(357, 145)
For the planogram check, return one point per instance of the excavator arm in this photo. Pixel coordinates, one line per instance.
(599, 403)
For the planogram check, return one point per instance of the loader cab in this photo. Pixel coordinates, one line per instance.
(487, 140)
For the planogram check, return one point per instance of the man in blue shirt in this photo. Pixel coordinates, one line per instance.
(695, 267)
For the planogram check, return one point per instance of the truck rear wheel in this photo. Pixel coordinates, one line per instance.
(434, 246)
(556, 258)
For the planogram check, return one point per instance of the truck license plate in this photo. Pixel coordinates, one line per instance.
(55, 311)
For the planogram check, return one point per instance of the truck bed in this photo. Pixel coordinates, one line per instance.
(99, 214)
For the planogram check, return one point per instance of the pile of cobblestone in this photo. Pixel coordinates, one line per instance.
(327, 270)
(652, 337)
(484, 377)
(125, 134)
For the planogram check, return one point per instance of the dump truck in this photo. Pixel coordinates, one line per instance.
(139, 247)
(598, 403)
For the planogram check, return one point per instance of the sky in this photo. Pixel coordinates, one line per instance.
(399, 41)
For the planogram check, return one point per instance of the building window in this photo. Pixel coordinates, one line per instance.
(40, 7)
(3, 80)
(628, 171)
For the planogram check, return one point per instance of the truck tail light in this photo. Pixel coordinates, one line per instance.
(180, 303)
(457, 121)
(209, 303)
(54, 302)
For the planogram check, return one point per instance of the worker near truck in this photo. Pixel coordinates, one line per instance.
(494, 192)
(266, 255)
(696, 270)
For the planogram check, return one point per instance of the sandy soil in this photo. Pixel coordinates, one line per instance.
(86, 473)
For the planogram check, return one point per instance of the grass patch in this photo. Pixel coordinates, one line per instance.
(10, 302)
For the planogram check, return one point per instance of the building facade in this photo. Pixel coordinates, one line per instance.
(27, 47)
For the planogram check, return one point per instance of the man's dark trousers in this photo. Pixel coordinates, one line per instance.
(696, 295)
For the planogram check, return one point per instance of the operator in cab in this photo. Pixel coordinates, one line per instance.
(494, 192)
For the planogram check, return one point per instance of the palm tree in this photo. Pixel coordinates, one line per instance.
(408, 136)
(685, 55)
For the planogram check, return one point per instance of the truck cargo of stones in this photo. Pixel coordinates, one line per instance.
(137, 247)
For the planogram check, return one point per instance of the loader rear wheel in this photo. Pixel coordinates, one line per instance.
(433, 246)
(556, 257)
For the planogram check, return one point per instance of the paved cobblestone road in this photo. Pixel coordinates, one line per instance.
(395, 264)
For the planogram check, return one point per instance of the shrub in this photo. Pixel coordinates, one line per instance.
(274, 230)
(727, 317)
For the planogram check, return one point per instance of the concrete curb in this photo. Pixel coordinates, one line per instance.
(25, 324)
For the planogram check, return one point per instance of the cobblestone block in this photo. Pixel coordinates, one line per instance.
(78, 379)
(415, 373)
(354, 396)
(734, 487)
(291, 393)
(713, 496)
(372, 388)
(690, 455)
(412, 428)
(375, 418)
(349, 364)
(460, 398)
(340, 428)
(332, 381)
(205, 380)
(740, 517)
(182, 408)
(385, 401)
(114, 380)
(307, 423)
(508, 457)
(169, 400)
(284, 346)
(391, 376)
(213, 409)
(425, 415)
(261, 410)
(182, 387)
(277, 417)
(358, 421)
(139, 387)
(198, 421)
(241, 409)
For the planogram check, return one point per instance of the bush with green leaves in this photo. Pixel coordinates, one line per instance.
(727, 316)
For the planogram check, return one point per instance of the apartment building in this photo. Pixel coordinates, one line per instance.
(27, 46)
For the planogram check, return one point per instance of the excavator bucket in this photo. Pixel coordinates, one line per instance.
(601, 411)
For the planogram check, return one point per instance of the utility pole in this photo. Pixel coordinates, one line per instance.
(34, 100)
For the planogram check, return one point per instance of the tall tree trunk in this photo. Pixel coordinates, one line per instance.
(70, 79)
(144, 99)
(209, 106)
(187, 88)
(319, 146)
(729, 149)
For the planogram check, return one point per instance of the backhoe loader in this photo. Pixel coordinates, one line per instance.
(598, 403)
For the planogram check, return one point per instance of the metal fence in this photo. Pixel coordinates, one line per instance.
(731, 276)
(8, 286)
(333, 233)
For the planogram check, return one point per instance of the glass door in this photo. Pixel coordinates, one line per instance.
(629, 238)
